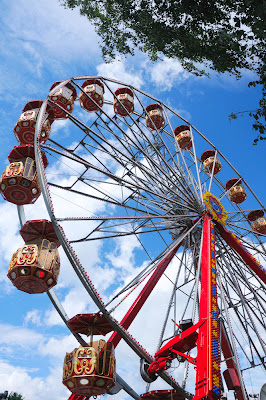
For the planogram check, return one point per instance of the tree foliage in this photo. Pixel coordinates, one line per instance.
(223, 35)
(15, 396)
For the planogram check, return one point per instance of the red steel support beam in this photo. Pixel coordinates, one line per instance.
(144, 294)
(208, 375)
(228, 356)
(246, 256)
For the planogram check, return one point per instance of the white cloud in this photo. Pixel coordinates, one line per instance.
(14, 378)
(68, 35)
(10, 240)
(120, 70)
(122, 257)
(12, 336)
(38, 37)
(57, 347)
(34, 317)
(167, 73)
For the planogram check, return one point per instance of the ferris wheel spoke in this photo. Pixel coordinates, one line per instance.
(252, 248)
(118, 202)
(256, 249)
(237, 302)
(253, 289)
(244, 254)
(145, 272)
(253, 295)
(250, 304)
(154, 164)
(241, 346)
(164, 189)
(249, 342)
(235, 259)
(146, 291)
(140, 135)
(116, 178)
(196, 164)
(138, 143)
(189, 175)
(135, 217)
(113, 229)
(246, 229)
(101, 137)
(160, 341)
(129, 146)
(212, 172)
(146, 144)
(235, 227)
(131, 185)
(181, 181)
(244, 321)
(113, 234)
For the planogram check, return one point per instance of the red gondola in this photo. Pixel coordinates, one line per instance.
(64, 97)
(258, 220)
(183, 137)
(236, 191)
(25, 127)
(34, 268)
(92, 99)
(208, 159)
(124, 101)
(154, 117)
(19, 182)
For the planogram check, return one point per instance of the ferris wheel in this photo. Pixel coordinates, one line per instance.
(180, 237)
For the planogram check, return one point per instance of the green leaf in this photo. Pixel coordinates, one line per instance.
(191, 31)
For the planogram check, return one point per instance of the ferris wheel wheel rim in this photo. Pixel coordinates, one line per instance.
(67, 248)
(41, 174)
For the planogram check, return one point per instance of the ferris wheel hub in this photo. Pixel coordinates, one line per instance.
(215, 207)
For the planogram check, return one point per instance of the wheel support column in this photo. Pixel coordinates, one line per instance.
(208, 375)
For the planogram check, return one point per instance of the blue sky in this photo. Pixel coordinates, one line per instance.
(42, 42)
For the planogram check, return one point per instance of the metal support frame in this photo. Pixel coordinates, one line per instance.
(230, 362)
(246, 256)
(146, 291)
(208, 375)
